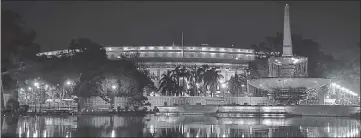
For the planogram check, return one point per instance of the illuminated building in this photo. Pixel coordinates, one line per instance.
(288, 78)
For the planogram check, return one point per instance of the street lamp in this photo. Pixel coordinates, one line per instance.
(36, 84)
(114, 87)
(68, 82)
(223, 85)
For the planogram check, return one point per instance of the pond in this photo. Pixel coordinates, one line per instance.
(177, 126)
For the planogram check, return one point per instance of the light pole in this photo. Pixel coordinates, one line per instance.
(247, 78)
(68, 83)
(36, 86)
(26, 95)
(114, 88)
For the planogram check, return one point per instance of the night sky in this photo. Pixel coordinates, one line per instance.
(335, 25)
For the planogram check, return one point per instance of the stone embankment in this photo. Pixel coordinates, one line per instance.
(304, 110)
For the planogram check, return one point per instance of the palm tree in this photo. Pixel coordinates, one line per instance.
(237, 83)
(200, 77)
(210, 79)
(192, 79)
(168, 84)
(181, 72)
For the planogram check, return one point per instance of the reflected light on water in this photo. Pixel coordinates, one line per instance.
(181, 126)
(35, 134)
(44, 134)
(113, 133)
(151, 129)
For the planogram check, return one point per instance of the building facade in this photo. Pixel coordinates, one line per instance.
(159, 59)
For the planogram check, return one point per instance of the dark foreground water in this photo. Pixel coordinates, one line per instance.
(177, 126)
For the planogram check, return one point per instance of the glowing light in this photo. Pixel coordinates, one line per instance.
(44, 134)
(36, 84)
(242, 85)
(151, 129)
(35, 134)
(114, 87)
(223, 85)
(19, 131)
(343, 89)
(109, 49)
(113, 134)
(21, 89)
(68, 82)
(30, 88)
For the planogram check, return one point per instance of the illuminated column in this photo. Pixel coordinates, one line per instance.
(287, 42)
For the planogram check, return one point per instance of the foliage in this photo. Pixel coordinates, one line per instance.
(17, 45)
(301, 47)
(12, 105)
(211, 79)
(176, 81)
(258, 68)
(94, 78)
(17, 48)
(168, 84)
(237, 84)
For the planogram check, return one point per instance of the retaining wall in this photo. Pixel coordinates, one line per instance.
(305, 110)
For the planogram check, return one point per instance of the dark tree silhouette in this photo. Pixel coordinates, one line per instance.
(237, 83)
(317, 60)
(17, 47)
(168, 84)
(211, 79)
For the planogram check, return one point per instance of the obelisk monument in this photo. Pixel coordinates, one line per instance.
(287, 40)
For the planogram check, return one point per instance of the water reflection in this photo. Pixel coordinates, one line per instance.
(177, 126)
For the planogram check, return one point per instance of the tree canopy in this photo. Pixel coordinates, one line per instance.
(86, 65)
(318, 61)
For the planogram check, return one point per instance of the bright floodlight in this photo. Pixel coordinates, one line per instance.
(221, 81)
(36, 84)
(114, 87)
(223, 85)
(68, 82)
(29, 88)
(242, 85)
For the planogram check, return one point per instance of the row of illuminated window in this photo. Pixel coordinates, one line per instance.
(162, 48)
(190, 55)
(186, 48)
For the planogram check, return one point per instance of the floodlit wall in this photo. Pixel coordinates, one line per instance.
(307, 110)
(94, 103)
(6, 98)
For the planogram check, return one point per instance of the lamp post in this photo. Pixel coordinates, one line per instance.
(36, 84)
(26, 95)
(67, 83)
(247, 78)
(114, 88)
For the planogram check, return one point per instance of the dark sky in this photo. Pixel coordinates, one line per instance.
(335, 25)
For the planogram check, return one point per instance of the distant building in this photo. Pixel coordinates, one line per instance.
(159, 59)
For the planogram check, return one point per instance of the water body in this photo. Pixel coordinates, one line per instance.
(177, 126)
